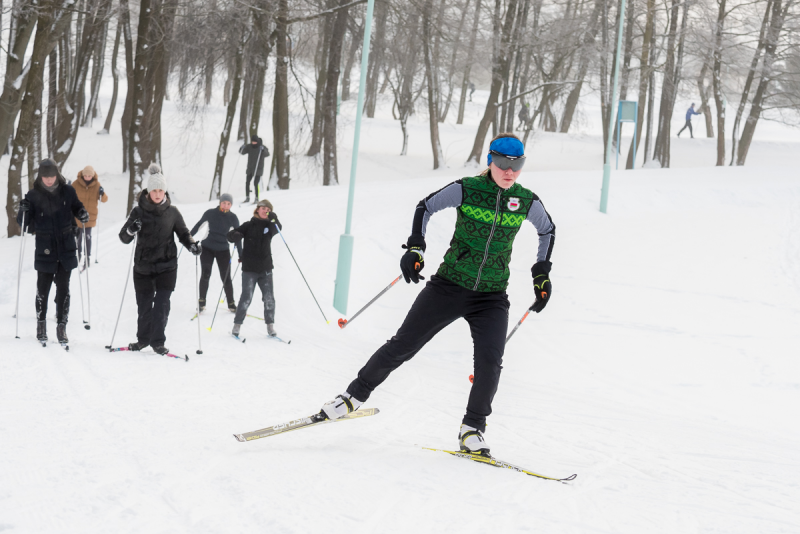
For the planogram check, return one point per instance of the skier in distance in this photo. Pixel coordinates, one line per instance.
(470, 283)
(256, 152)
(90, 193)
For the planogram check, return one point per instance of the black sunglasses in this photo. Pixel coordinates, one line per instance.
(503, 162)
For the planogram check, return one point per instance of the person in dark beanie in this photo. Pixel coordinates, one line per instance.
(471, 283)
(155, 264)
(221, 220)
(256, 152)
(49, 210)
(256, 258)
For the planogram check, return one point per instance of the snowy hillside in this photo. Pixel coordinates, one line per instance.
(664, 372)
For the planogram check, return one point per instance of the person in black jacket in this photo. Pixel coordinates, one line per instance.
(49, 211)
(256, 152)
(256, 259)
(220, 221)
(155, 264)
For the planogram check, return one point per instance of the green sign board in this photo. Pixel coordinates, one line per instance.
(627, 110)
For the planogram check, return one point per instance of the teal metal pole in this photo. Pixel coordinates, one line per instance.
(612, 116)
(342, 284)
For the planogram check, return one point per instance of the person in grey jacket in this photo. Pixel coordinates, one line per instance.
(221, 220)
(256, 152)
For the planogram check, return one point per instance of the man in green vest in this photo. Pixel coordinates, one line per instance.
(470, 282)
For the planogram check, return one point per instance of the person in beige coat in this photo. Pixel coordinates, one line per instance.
(90, 193)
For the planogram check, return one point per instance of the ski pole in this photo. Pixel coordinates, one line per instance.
(80, 281)
(301, 274)
(219, 299)
(520, 322)
(345, 322)
(197, 302)
(88, 325)
(19, 271)
(130, 266)
(97, 244)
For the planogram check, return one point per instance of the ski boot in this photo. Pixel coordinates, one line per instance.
(41, 331)
(61, 333)
(471, 440)
(160, 349)
(342, 405)
(137, 346)
(232, 306)
(247, 199)
(236, 329)
(271, 330)
(202, 304)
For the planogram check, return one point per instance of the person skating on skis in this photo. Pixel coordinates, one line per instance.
(470, 282)
(215, 247)
(256, 152)
(90, 193)
(155, 265)
(49, 210)
(689, 113)
(256, 258)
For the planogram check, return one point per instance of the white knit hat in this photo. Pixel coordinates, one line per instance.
(156, 180)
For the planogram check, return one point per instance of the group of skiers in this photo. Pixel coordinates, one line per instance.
(470, 283)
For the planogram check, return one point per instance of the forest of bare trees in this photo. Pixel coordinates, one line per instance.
(285, 65)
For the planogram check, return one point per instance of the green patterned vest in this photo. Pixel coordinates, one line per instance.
(487, 222)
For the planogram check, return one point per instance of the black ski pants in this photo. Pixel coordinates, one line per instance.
(88, 241)
(687, 125)
(249, 281)
(223, 258)
(250, 177)
(43, 284)
(152, 298)
(440, 303)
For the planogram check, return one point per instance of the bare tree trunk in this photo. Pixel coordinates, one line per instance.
(280, 107)
(52, 92)
(462, 102)
(247, 99)
(355, 41)
(716, 82)
(522, 13)
(703, 91)
(98, 62)
(330, 175)
(662, 146)
(777, 18)
(160, 66)
(24, 21)
(500, 61)
(115, 74)
(376, 59)
(749, 81)
(136, 165)
(208, 84)
(433, 85)
(583, 67)
(322, 76)
(630, 22)
(225, 136)
(125, 120)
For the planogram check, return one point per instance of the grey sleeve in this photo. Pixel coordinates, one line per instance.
(448, 197)
(541, 220)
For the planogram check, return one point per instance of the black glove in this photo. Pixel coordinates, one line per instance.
(135, 226)
(24, 205)
(273, 217)
(101, 192)
(83, 215)
(234, 236)
(196, 248)
(413, 261)
(541, 284)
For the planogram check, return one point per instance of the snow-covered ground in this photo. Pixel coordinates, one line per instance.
(664, 372)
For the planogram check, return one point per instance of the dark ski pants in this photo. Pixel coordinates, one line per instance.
(440, 303)
(152, 298)
(687, 125)
(223, 258)
(255, 185)
(43, 284)
(88, 241)
(249, 281)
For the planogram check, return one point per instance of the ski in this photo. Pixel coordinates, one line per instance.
(237, 338)
(491, 460)
(119, 349)
(303, 422)
(276, 338)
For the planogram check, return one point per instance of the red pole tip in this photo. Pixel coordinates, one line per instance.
(471, 377)
(342, 323)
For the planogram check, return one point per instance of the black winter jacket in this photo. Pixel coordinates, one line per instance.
(255, 157)
(156, 251)
(219, 224)
(257, 234)
(52, 219)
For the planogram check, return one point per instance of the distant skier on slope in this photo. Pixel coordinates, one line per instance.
(155, 266)
(49, 211)
(256, 258)
(215, 247)
(470, 283)
(689, 113)
(90, 193)
(256, 152)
